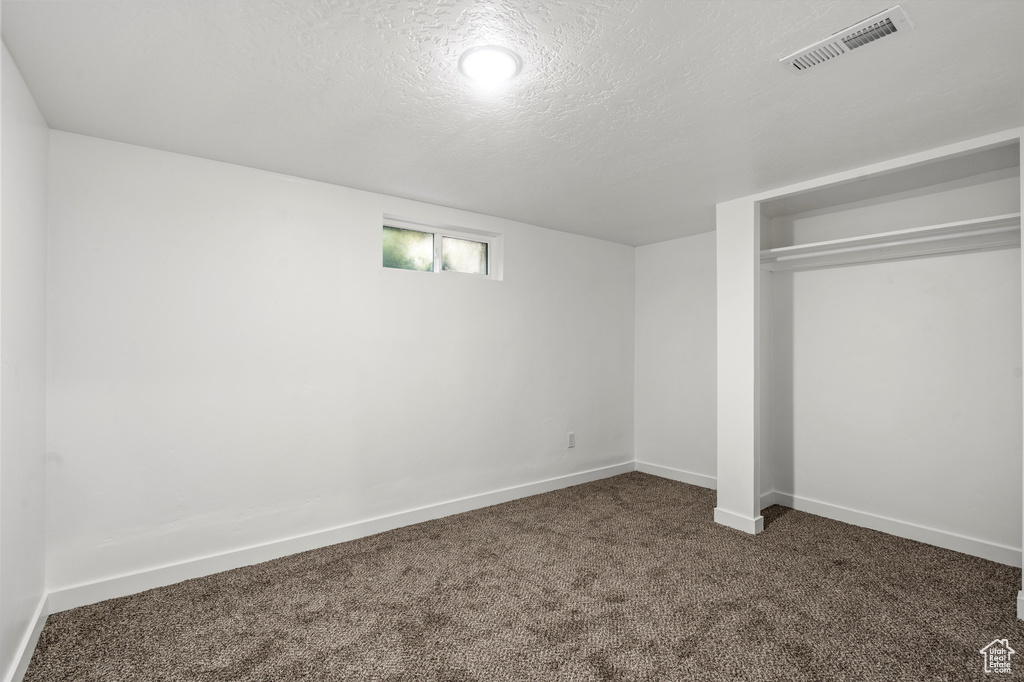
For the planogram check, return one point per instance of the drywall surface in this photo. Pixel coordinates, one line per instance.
(25, 137)
(675, 354)
(897, 391)
(738, 333)
(230, 364)
(988, 194)
(766, 361)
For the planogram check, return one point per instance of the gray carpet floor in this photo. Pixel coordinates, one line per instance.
(627, 578)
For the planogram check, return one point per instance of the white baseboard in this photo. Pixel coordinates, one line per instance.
(992, 551)
(739, 522)
(677, 475)
(131, 583)
(27, 645)
(704, 481)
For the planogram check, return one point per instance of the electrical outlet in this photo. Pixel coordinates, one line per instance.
(572, 439)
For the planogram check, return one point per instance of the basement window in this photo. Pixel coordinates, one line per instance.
(430, 248)
(408, 249)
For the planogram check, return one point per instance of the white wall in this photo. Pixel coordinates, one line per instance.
(676, 380)
(766, 388)
(988, 194)
(231, 365)
(897, 386)
(22, 362)
(738, 351)
(890, 392)
(675, 356)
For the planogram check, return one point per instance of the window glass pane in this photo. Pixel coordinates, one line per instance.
(408, 249)
(462, 255)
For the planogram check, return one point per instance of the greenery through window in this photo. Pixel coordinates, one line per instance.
(408, 249)
(463, 255)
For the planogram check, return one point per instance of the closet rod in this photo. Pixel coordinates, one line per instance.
(897, 242)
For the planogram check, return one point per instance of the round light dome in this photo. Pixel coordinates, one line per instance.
(489, 64)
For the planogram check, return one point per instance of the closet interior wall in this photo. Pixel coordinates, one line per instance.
(891, 389)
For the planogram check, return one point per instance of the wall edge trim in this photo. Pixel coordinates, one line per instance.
(984, 549)
(63, 598)
(731, 519)
(681, 475)
(27, 646)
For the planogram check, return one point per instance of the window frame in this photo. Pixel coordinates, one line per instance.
(493, 241)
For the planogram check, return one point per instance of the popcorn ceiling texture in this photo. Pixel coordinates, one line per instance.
(622, 579)
(630, 120)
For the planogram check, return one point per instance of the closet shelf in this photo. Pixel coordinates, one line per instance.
(977, 234)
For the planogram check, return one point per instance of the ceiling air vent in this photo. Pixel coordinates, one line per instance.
(889, 22)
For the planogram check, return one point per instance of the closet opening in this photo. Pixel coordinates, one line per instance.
(890, 354)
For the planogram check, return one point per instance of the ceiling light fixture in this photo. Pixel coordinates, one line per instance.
(490, 64)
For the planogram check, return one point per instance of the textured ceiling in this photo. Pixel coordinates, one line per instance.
(630, 120)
